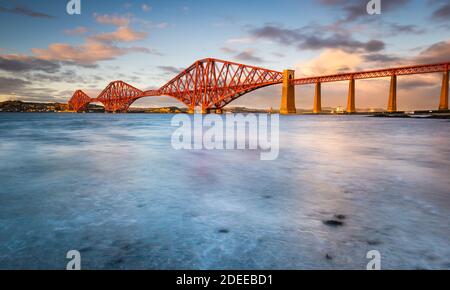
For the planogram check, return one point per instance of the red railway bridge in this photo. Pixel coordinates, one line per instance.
(212, 84)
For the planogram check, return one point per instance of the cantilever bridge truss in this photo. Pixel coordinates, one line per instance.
(209, 83)
(212, 84)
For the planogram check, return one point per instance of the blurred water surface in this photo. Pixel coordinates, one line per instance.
(112, 187)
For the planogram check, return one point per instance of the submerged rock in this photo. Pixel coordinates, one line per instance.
(373, 242)
(340, 217)
(333, 223)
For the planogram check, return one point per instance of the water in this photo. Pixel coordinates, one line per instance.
(112, 187)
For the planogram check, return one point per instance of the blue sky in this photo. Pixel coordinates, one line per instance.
(46, 54)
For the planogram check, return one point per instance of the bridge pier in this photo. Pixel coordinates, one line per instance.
(318, 99)
(443, 105)
(191, 111)
(351, 107)
(392, 105)
(206, 111)
(288, 94)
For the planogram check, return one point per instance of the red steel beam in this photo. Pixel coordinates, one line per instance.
(118, 96)
(213, 83)
(79, 101)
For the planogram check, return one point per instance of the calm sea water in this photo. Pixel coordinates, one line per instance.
(112, 187)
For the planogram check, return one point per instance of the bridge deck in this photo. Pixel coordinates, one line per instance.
(379, 73)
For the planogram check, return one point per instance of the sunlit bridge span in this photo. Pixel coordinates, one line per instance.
(212, 84)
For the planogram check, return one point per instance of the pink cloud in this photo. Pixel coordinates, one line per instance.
(328, 62)
(88, 53)
(124, 34)
(438, 52)
(97, 47)
(112, 19)
(76, 31)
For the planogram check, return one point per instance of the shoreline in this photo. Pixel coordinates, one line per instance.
(415, 115)
(32, 107)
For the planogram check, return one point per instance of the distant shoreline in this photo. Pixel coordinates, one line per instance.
(32, 107)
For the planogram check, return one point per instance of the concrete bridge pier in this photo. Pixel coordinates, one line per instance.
(205, 111)
(392, 105)
(288, 94)
(351, 107)
(318, 99)
(443, 105)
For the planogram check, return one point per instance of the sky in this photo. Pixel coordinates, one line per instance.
(46, 54)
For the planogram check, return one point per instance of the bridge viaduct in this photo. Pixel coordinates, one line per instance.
(212, 84)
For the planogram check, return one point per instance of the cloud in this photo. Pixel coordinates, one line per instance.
(146, 7)
(124, 34)
(381, 57)
(63, 76)
(170, 69)
(147, 24)
(241, 40)
(80, 30)
(11, 85)
(87, 54)
(278, 54)
(435, 53)
(22, 63)
(228, 50)
(421, 82)
(99, 47)
(356, 9)
(442, 13)
(395, 29)
(313, 38)
(15, 88)
(22, 10)
(246, 55)
(330, 61)
(112, 19)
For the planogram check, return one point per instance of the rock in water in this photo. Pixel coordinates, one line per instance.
(333, 223)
